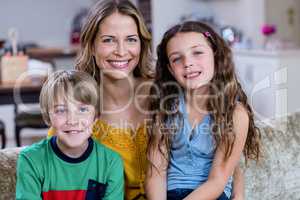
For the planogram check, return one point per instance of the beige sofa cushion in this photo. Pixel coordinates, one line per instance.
(8, 159)
(277, 177)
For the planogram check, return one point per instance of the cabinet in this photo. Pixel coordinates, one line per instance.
(271, 81)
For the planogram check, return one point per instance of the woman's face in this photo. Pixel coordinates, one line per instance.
(191, 59)
(117, 46)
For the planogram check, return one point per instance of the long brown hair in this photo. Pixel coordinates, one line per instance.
(96, 15)
(224, 92)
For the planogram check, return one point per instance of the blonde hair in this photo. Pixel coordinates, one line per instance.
(68, 84)
(101, 10)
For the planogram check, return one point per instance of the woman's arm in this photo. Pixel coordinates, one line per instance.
(222, 170)
(156, 181)
(238, 184)
(156, 178)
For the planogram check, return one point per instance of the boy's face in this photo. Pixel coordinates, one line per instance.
(73, 122)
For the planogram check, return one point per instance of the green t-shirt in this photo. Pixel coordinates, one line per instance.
(44, 172)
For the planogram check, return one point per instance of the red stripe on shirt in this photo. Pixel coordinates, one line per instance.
(64, 195)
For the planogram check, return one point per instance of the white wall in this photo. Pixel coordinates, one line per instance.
(246, 15)
(250, 15)
(49, 21)
(279, 15)
(45, 21)
(239, 13)
(166, 13)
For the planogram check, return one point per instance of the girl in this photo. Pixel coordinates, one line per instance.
(202, 122)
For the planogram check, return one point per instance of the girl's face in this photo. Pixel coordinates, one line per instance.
(117, 46)
(73, 122)
(191, 59)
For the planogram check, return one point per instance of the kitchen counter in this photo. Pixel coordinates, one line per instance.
(51, 53)
(60, 58)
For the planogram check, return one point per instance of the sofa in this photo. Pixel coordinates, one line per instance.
(8, 158)
(276, 177)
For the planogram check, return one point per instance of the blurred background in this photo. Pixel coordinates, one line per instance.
(264, 36)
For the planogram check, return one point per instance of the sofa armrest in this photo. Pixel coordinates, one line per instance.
(277, 176)
(8, 160)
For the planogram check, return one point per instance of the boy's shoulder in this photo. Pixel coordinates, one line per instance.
(106, 150)
(36, 149)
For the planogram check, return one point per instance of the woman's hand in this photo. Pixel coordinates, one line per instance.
(156, 178)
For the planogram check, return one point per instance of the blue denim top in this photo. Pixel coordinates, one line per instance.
(192, 153)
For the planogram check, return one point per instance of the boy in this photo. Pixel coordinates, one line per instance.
(69, 165)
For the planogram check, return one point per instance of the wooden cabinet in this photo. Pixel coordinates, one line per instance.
(271, 81)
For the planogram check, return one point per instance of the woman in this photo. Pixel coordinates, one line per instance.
(115, 47)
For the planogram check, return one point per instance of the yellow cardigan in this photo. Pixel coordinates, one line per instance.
(132, 148)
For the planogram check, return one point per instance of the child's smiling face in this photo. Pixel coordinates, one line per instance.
(191, 59)
(73, 122)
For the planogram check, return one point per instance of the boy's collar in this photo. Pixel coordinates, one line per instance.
(69, 159)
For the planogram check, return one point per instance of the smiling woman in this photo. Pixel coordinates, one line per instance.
(117, 46)
(115, 24)
(115, 50)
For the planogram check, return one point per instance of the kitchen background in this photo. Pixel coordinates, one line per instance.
(267, 65)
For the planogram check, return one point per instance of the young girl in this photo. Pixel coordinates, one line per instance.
(202, 121)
